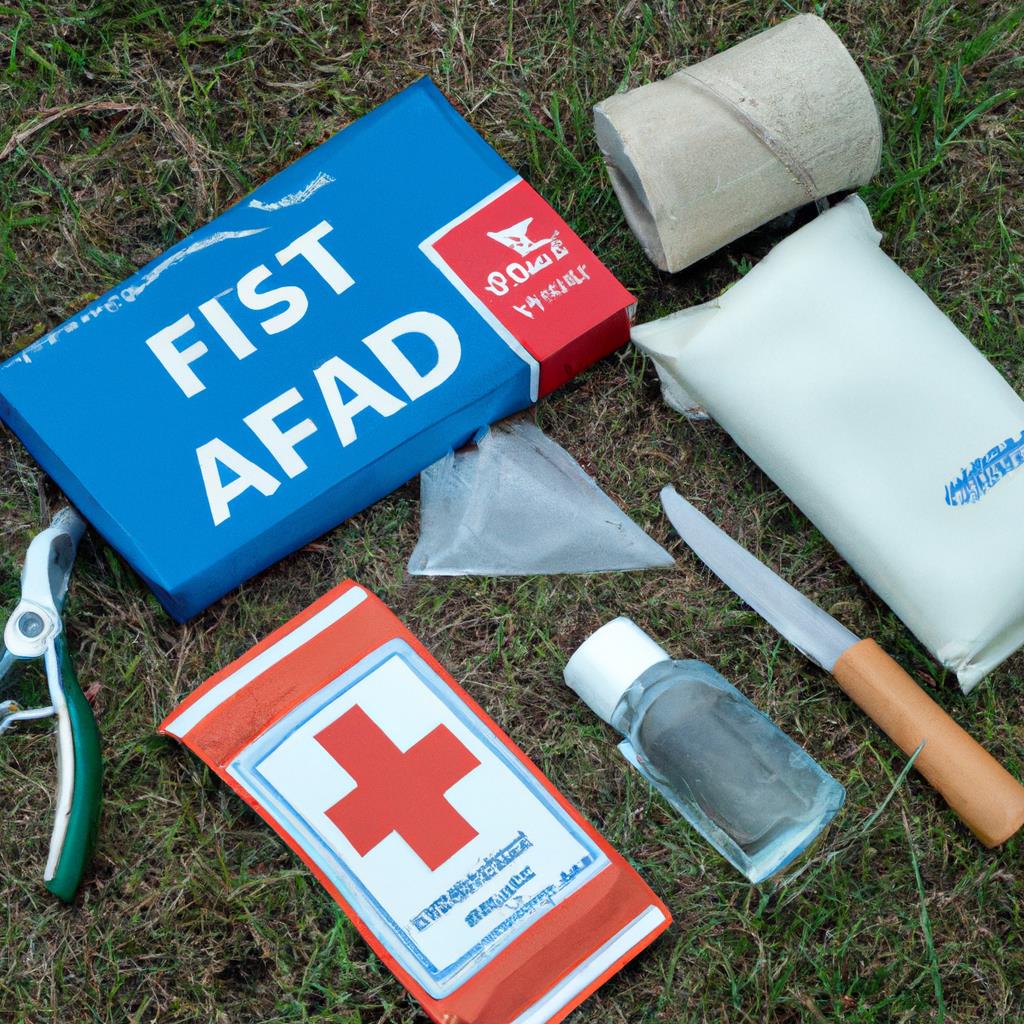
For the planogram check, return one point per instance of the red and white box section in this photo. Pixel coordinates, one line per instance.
(473, 879)
(535, 281)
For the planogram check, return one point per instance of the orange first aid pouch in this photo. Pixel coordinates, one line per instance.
(470, 875)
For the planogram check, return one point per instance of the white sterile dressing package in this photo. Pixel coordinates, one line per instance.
(892, 433)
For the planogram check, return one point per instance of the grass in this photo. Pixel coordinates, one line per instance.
(125, 125)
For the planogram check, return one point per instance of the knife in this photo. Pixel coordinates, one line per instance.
(986, 797)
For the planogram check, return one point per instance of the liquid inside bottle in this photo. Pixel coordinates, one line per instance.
(759, 798)
(708, 745)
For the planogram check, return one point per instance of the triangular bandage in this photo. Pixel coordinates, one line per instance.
(517, 504)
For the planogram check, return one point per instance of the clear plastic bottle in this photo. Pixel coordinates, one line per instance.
(759, 798)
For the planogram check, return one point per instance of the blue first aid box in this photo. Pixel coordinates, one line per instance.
(361, 313)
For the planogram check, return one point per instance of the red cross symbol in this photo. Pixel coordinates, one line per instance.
(398, 791)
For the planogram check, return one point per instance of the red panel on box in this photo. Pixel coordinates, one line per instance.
(538, 279)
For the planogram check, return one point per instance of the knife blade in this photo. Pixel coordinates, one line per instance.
(986, 797)
(809, 628)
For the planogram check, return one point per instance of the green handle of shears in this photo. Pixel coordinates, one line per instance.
(78, 842)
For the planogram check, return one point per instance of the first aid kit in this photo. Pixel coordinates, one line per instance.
(474, 880)
(360, 314)
(895, 436)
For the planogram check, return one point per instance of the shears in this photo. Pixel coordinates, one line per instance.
(35, 630)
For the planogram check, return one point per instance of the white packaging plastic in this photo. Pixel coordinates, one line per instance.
(866, 405)
(517, 504)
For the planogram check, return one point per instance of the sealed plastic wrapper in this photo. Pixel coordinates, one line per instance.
(517, 504)
(472, 878)
(886, 426)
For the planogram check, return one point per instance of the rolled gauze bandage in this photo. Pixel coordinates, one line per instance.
(721, 147)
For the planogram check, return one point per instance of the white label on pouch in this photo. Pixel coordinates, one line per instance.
(440, 839)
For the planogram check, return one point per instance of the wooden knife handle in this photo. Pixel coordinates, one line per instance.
(986, 797)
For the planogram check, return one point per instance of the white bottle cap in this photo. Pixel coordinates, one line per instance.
(607, 663)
